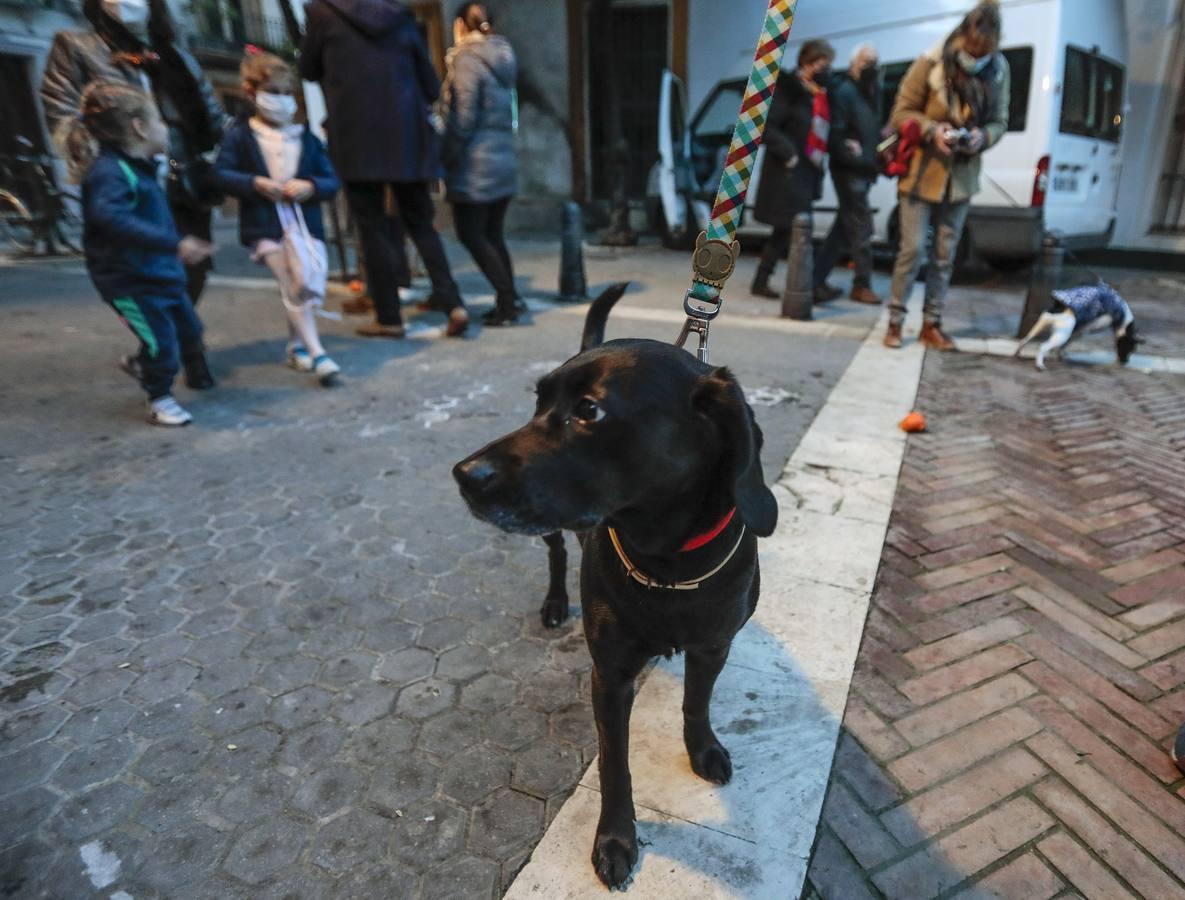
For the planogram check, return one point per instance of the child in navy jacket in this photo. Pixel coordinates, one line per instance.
(133, 252)
(266, 160)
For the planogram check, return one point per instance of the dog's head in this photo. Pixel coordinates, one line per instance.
(1126, 343)
(629, 424)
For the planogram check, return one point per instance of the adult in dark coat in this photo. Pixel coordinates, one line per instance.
(790, 180)
(143, 51)
(855, 131)
(379, 85)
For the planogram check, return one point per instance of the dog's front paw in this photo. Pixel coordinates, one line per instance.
(555, 611)
(711, 762)
(614, 856)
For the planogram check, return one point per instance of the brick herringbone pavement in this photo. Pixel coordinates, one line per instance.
(1023, 666)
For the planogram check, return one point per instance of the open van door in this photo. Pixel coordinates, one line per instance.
(673, 172)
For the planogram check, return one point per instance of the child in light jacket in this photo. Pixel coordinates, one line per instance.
(266, 159)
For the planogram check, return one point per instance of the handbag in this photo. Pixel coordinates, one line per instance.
(306, 258)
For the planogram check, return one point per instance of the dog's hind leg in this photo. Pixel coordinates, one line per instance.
(1043, 322)
(555, 604)
(1063, 330)
(709, 759)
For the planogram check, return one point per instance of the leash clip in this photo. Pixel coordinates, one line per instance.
(700, 314)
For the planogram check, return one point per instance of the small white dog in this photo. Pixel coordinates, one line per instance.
(1087, 308)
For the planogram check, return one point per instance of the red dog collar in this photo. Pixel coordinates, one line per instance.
(707, 537)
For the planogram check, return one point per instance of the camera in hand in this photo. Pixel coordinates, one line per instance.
(961, 141)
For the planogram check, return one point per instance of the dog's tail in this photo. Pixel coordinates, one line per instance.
(598, 315)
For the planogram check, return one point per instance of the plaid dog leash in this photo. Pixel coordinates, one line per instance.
(716, 249)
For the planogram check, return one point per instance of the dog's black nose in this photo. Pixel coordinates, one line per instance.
(475, 475)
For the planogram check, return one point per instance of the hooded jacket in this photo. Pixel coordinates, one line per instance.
(183, 95)
(479, 154)
(379, 85)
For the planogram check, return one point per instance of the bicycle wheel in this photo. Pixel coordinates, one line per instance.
(16, 224)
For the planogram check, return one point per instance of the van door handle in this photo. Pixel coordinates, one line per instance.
(1067, 167)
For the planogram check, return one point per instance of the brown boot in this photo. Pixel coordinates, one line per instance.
(358, 306)
(458, 322)
(379, 330)
(864, 294)
(933, 337)
(893, 337)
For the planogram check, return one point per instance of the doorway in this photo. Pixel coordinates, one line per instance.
(631, 65)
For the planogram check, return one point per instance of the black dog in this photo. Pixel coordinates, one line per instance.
(653, 457)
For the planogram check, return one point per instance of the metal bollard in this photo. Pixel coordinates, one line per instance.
(1047, 273)
(799, 296)
(573, 282)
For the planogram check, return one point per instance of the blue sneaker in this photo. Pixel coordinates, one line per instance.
(326, 370)
(299, 358)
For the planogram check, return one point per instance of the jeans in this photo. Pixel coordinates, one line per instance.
(479, 227)
(917, 218)
(853, 226)
(382, 244)
(168, 329)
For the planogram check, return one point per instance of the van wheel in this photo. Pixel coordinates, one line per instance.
(682, 239)
(1011, 263)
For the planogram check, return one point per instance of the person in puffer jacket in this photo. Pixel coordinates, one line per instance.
(481, 169)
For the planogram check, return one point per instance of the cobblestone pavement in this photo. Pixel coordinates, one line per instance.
(271, 655)
(1023, 666)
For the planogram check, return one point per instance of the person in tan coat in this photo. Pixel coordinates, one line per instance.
(958, 95)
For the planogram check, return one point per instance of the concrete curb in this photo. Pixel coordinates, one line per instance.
(779, 702)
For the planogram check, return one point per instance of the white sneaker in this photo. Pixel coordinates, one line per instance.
(326, 370)
(299, 359)
(167, 411)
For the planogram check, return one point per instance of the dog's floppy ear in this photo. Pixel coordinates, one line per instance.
(720, 398)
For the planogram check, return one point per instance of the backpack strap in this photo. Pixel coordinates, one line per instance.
(133, 181)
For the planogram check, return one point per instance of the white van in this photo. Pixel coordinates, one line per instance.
(1057, 168)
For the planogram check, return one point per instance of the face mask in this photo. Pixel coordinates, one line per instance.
(823, 76)
(279, 109)
(868, 79)
(132, 14)
(971, 64)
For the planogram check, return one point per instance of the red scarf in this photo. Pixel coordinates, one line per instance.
(816, 139)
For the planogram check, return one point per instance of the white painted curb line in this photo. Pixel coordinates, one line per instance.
(1141, 362)
(779, 701)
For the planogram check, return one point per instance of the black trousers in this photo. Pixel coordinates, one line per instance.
(195, 222)
(852, 227)
(382, 244)
(777, 245)
(479, 227)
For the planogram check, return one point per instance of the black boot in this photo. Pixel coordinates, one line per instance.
(197, 370)
(760, 286)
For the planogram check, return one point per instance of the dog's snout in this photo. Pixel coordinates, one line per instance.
(476, 474)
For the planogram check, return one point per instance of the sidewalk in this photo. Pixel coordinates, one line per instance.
(1022, 666)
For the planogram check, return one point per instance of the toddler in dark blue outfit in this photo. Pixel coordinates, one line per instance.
(134, 255)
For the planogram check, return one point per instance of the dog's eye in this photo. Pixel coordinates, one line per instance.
(587, 410)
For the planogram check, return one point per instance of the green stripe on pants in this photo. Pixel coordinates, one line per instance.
(135, 318)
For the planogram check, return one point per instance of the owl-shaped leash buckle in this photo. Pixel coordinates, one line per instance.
(712, 263)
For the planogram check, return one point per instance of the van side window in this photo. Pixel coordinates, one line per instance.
(1020, 65)
(1092, 96)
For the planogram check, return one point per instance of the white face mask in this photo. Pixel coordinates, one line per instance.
(972, 64)
(132, 14)
(278, 109)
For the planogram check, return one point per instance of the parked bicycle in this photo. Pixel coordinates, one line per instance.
(36, 215)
